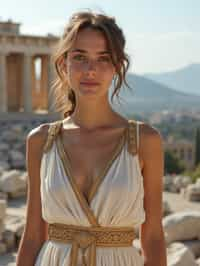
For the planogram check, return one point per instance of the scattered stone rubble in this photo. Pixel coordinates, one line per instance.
(174, 184)
(13, 184)
(182, 185)
(192, 191)
(13, 142)
(182, 236)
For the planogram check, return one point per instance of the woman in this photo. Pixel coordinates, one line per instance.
(93, 176)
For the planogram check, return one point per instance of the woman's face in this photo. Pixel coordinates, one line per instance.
(88, 64)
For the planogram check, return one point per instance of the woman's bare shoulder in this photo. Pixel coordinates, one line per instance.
(149, 136)
(150, 142)
(148, 130)
(38, 136)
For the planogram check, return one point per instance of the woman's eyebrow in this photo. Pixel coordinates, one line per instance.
(84, 51)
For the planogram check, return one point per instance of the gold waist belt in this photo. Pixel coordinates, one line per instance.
(89, 237)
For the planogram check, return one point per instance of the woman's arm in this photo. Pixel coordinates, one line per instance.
(152, 235)
(35, 228)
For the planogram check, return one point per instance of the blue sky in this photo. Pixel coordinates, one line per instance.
(161, 35)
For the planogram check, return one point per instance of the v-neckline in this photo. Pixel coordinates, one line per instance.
(84, 202)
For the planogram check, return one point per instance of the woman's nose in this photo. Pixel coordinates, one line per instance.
(91, 65)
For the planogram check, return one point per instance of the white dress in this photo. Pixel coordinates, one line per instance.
(117, 201)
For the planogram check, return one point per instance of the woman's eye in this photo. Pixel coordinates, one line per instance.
(104, 59)
(79, 57)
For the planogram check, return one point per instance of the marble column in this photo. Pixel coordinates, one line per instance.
(50, 79)
(3, 84)
(27, 83)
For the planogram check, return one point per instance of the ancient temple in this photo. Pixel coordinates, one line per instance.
(20, 88)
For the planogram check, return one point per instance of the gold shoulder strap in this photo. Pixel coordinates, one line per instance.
(132, 137)
(53, 131)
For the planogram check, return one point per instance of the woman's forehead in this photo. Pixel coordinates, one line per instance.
(90, 40)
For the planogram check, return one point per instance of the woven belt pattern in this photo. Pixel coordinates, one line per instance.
(89, 237)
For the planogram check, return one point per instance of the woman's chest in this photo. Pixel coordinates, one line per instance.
(87, 162)
(90, 160)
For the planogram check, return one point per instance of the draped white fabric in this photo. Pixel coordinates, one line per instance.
(117, 202)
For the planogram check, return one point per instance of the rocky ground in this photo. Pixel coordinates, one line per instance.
(17, 207)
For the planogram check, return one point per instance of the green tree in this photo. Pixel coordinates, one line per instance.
(173, 165)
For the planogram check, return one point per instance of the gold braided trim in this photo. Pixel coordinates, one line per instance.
(132, 137)
(53, 131)
(82, 200)
(90, 237)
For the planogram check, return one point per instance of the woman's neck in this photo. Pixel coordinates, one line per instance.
(94, 115)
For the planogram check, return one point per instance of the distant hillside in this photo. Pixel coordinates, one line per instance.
(149, 96)
(185, 79)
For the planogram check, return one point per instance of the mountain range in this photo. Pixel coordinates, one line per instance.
(147, 95)
(185, 79)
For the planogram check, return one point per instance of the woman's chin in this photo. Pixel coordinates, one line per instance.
(89, 92)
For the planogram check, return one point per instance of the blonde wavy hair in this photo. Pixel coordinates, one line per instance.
(64, 96)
